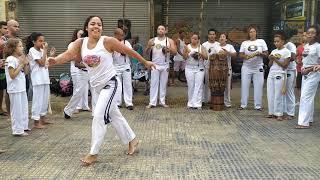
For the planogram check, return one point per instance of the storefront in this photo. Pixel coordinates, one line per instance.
(295, 16)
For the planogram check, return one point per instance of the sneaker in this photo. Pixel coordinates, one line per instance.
(130, 108)
(66, 116)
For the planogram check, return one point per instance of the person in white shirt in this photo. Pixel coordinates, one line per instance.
(80, 80)
(195, 54)
(310, 78)
(179, 62)
(96, 51)
(252, 52)
(37, 54)
(123, 68)
(231, 53)
(212, 48)
(160, 48)
(16, 68)
(290, 98)
(276, 82)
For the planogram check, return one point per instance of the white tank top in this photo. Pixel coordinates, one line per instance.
(157, 56)
(99, 63)
(194, 63)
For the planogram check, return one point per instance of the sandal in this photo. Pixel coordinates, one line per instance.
(302, 127)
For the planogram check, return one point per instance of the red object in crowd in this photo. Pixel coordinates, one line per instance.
(300, 49)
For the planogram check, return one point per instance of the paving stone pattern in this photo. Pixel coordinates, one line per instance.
(176, 143)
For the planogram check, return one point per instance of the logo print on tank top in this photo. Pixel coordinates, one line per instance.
(92, 60)
(158, 46)
(252, 48)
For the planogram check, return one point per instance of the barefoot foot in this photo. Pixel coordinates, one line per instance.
(133, 146)
(89, 159)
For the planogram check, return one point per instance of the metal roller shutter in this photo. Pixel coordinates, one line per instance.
(57, 19)
(223, 16)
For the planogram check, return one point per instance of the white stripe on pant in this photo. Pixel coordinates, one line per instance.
(19, 112)
(309, 88)
(159, 79)
(194, 78)
(40, 101)
(257, 75)
(275, 83)
(99, 128)
(125, 82)
(80, 93)
(290, 98)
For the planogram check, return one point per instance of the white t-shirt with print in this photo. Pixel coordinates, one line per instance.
(249, 47)
(18, 84)
(293, 49)
(212, 48)
(39, 74)
(229, 48)
(311, 55)
(284, 53)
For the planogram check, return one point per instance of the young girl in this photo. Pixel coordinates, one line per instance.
(231, 53)
(80, 78)
(310, 78)
(16, 68)
(276, 82)
(195, 54)
(37, 53)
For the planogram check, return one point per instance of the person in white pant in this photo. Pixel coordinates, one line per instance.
(160, 48)
(231, 53)
(37, 53)
(290, 98)
(123, 68)
(276, 82)
(96, 53)
(310, 79)
(212, 48)
(16, 68)
(252, 52)
(80, 78)
(195, 54)
(179, 62)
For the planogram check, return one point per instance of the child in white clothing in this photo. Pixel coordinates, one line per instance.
(16, 68)
(37, 53)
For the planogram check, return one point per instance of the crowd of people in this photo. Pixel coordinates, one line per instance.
(106, 66)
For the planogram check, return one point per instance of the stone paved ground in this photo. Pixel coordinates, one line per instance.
(176, 144)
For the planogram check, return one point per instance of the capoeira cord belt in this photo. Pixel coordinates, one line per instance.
(106, 113)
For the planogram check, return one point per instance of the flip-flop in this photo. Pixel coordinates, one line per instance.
(302, 127)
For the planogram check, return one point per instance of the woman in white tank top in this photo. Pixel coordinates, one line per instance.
(195, 55)
(96, 53)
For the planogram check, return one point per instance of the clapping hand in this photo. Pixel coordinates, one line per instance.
(52, 51)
